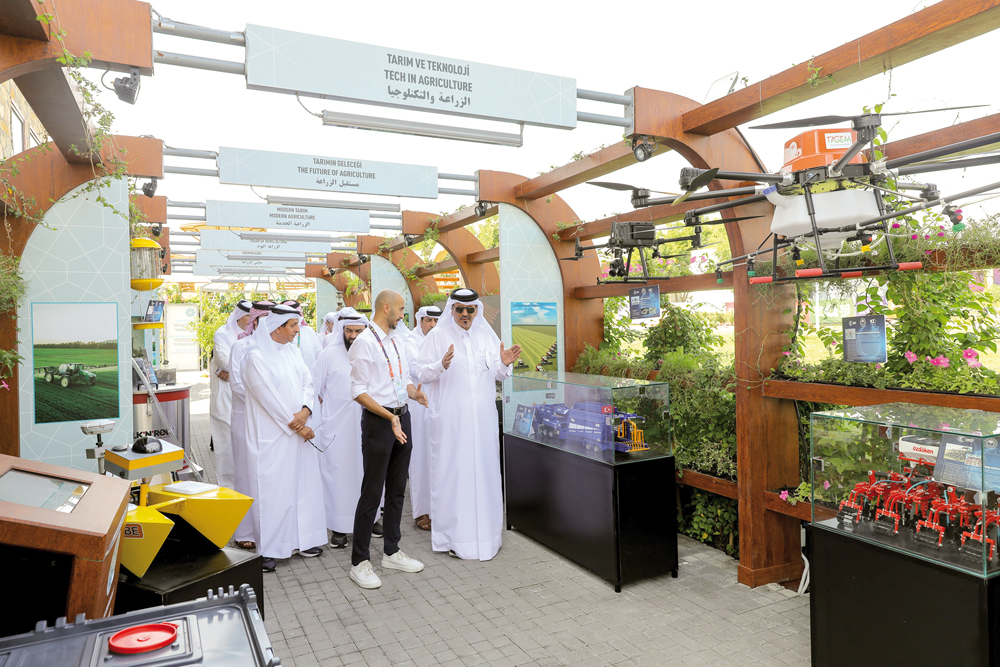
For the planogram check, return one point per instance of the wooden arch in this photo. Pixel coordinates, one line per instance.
(460, 244)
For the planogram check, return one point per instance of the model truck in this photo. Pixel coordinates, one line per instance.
(67, 374)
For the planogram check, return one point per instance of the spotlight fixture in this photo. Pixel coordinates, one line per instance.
(643, 150)
(423, 129)
(332, 203)
(127, 88)
(482, 208)
(149, 189)
(157, 229)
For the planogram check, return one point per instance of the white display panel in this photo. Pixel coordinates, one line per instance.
(288, 62)
(247, 166)
(271, 216)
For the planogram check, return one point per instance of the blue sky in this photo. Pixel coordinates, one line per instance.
(534, 313)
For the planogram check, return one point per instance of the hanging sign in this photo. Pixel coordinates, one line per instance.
(644, 302)
(224, 239)
(310, 218)
(220, 259)
(282, 61)
(864, 339)
(248, 166)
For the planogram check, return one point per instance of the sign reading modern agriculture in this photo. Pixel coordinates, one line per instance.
(224, 239)
(247, 166)
(290, 62)
(311, 218)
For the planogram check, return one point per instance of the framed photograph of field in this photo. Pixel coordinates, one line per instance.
(533, 327)
(75, 351)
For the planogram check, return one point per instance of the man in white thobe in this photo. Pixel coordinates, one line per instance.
(326, 328)
(282, 461)
(221, 403)
(460, 361)
(308, 340)
(340, 438)
(420, 483)
(259, 309)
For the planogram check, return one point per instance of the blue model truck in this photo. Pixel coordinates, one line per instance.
(596, 425)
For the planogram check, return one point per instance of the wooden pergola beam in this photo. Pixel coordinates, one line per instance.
(484, 256)
(700, 283)
(922, 33)
(945, 136)
(433, 269)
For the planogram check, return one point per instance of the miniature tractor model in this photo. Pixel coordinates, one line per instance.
(986, 532)
(628, 436)
(949, 515)
(67, 374)
(866, 497)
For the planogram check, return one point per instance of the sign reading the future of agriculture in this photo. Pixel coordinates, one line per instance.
(247, 166)
(224, 239)
(864, 339)
(290, 62)
(644, 302)
(310, 218)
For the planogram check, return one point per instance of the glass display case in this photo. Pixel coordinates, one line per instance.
(615, 420)
(589, 472)
(916, 479)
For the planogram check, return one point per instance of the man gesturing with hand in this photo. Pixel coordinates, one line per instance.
(380, 383)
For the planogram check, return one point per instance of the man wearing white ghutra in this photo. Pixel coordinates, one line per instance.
(380, 382)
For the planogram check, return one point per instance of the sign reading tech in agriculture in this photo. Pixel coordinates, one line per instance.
(310, 218)
(224, 239)
(290, 62)
(864, 339)
(246, 166)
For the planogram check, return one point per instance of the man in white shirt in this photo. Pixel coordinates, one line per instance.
(460, 362)
(420, 483)
(380, 382)
(221, 403)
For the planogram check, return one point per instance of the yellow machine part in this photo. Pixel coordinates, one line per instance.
(144, 461)
(215, 514)
(143, 534)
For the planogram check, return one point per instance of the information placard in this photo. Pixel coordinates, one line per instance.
(864, 339)
(282, 217)
(283, 61)
(644, 302)
(224, 239)
(248, 166)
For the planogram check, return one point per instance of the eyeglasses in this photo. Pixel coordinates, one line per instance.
(471, 310)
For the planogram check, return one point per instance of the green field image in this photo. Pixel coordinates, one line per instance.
(535, 340)
(80, 400)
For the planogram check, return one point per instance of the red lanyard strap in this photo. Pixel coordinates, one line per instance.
(399, 359)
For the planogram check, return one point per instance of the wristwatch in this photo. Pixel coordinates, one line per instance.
(306, 407)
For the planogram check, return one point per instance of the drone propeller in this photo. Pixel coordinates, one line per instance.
(625, 187)
(832, 120)
(697, 183)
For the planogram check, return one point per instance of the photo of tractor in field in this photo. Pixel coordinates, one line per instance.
(66, 374)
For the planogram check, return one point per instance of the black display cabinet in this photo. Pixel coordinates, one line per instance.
(588, 472)
(904, 539)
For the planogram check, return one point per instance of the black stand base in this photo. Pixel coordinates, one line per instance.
(179, 575)
(874, 606)
(618, 521)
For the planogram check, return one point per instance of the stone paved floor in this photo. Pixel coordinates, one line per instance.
(528, 606)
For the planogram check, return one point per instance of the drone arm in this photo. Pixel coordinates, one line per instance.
(919, 207)
(688, 174)
(715, 208)
(760, 251)
(943, 166)
(950, 149)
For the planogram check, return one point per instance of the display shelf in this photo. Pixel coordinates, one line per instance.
(609, 419)
(918, 480)
(819, 392)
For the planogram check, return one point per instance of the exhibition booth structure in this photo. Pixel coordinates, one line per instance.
(902, 495)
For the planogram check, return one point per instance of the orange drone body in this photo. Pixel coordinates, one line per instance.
(818, 148)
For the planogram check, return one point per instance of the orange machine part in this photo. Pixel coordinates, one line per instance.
(817, 148)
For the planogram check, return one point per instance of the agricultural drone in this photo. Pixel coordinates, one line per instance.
(827, 193)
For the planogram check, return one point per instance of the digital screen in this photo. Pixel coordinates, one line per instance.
(34, 490)
(154, 311)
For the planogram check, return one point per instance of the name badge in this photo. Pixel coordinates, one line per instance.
(400, 386)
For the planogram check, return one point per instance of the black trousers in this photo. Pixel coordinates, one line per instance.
(386, 465)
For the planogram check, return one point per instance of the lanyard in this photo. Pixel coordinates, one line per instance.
(399, 359)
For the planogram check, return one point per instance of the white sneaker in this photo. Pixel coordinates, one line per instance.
(402, 562)
(364, 576)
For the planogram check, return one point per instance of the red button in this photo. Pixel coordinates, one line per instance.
(143, 638)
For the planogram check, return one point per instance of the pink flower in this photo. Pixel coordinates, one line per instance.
(826, 485)
(970, 353)
(787, 353)
(940, 233)
(895, 225)
(693, 260)
(913, 237)
(974, 363)
(927, 236)
(783, 495)
(4, 385)
(940, 360)
(878, 366)
(909, 356)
